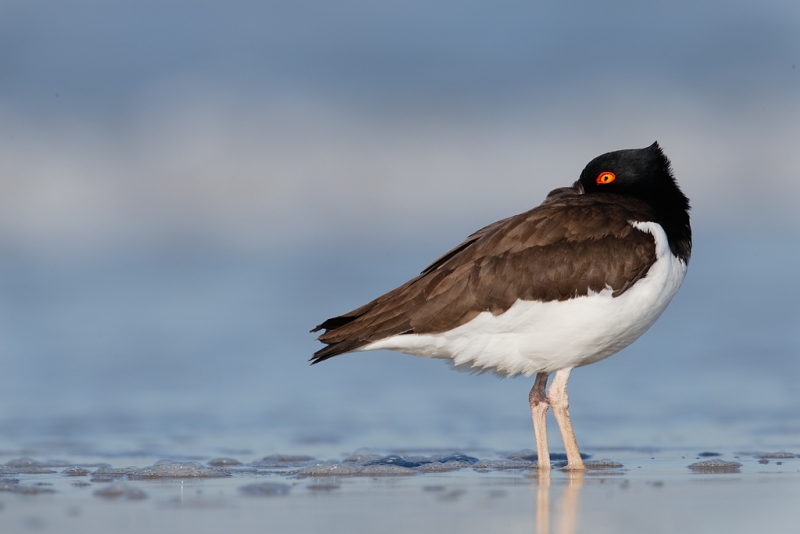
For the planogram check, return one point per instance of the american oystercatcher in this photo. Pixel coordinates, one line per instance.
(566, 284)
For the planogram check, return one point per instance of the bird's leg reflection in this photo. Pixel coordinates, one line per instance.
(543, 504)
(568, 505)
(569, 508)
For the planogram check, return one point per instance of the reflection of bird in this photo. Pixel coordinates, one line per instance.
(565, 284)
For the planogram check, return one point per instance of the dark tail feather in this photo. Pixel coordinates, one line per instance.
(333, 323)
(335, 349)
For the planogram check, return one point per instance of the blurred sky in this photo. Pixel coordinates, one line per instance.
(186, 188)
(256, 123)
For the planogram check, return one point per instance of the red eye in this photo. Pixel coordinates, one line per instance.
(606, 178)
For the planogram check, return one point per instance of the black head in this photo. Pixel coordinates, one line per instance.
(644, 173)
(639, 172)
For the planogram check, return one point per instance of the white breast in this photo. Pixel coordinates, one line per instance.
(533, 336)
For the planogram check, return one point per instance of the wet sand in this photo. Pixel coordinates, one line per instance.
(404, 491)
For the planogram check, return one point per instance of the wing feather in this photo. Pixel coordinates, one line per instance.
(569, 246)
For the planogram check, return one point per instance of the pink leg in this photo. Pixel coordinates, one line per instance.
(539, 407)
(560, 402)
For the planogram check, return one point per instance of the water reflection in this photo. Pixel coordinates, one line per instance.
(566, 510)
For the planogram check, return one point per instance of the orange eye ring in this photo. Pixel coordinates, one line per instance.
(606, 178)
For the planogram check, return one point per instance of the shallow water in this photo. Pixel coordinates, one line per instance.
(198, 355)
(639, 491)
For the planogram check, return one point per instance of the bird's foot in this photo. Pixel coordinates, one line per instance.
(575, 467)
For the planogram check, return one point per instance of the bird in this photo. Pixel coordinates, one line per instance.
(563, 285)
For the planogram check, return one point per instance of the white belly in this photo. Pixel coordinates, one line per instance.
(533, 336)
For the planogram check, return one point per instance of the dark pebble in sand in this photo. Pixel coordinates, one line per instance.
(602, 464)
(327, 469)
(443, 467)
(282, 461)
(266, 489)
(171, 469)
(28, 465)
(107, 474)
(12, 485)
(362, 456)
(502, 465)
(452, 496)
(715, 466)
(25, 470)
(75, 472)
(782, 455)
(33, 490)
(394, 459)
(456, 457)
(223, 462)
(121, 491)
(456, 460)
(594, 465)
(323, 487)
(23, 462)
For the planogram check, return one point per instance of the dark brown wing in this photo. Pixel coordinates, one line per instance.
(568, 246)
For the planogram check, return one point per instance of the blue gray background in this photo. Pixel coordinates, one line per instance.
(186, 188)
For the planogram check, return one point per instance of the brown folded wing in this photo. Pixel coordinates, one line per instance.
(568, 246)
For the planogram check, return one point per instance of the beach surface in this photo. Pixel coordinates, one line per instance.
(626, 490)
